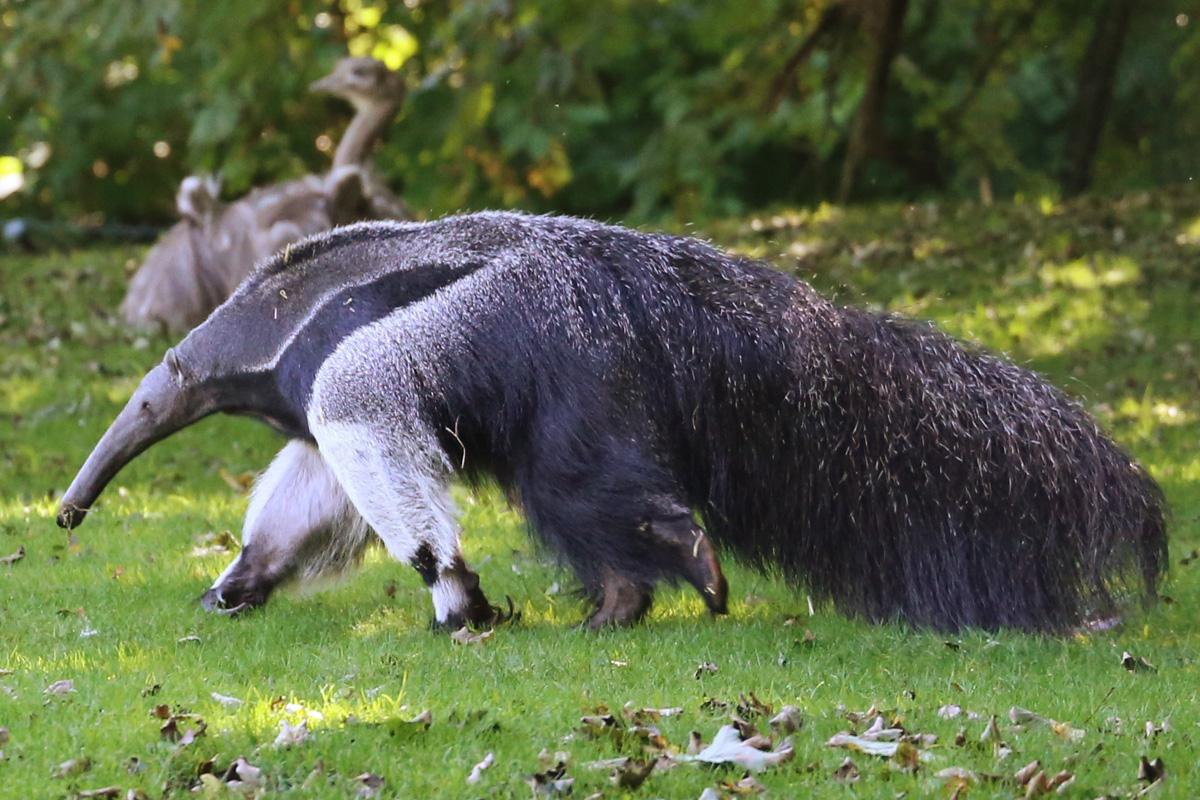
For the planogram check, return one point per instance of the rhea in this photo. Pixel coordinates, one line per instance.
(203, 257)
(649, 400)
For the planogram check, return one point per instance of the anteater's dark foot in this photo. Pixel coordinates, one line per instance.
(245, 585)
(458, 601)
(698, 559)
(234, 603)
(704, 572)
(622, 602)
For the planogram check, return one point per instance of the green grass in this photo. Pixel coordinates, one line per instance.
(1101, 296)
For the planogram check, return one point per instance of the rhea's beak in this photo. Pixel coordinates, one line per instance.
(327, 85)
(160, 406)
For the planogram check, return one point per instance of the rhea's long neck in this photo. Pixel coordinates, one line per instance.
(364, 130)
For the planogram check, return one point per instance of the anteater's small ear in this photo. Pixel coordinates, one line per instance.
(171, 359)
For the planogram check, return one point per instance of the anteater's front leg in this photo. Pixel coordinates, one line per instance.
(300, 524)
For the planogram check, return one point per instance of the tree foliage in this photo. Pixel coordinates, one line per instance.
(608, 107)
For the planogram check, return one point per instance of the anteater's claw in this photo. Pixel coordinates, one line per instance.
(502, 617)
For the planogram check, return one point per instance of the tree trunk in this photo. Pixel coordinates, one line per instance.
(1097, 76)
(884, 23)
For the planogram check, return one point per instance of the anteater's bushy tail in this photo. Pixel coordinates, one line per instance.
(931, 483)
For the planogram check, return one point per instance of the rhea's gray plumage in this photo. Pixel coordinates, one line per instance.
(619, 384)
(202, 258)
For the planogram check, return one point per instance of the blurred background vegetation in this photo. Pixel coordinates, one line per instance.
(638, 109)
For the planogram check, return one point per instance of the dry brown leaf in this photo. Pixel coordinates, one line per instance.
(13, 558)
(193, 730)
(632, 773)
(705, 667)
(907, 757)
(1026, 772)
(645, 716)
(751, 706)
(464, 636)
(1151, 771)
(72, 766)
(748, 785)
(847, 772)
(92, 794)
(1136, 663)
(788, 720)
(552, 782)
(369, 784)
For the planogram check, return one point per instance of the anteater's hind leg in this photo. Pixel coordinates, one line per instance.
(300, 525)
(611, 512)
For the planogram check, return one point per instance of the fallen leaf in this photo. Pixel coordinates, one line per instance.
(907, 757)
(705, 667)
(552, 782)
(240, 483)
(1153, 730)
(878, 733)
(477, 771)
(243, 775)
(193, 639)
(632, 773)
(748, 785)
(1022, 716)
(728, 748)
(847, 772)
(1136, 663)
(788, 720)
(59, 688)
(464, 636)
(91, 794)
(404, 728)
(1026, 772)
(369, 784)
(9, 560)
(710, 794)
(644, 716)
(1151, 771)
(226, 700)
(172, 732)
(290, 735)
(752, 707)
(949, 711)
(75, 766)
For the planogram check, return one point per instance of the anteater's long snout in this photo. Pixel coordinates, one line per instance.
(160, 406)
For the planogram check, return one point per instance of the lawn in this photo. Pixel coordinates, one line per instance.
(1099, 295)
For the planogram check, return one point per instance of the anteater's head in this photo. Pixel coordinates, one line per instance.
(166, 400)
(226, 364)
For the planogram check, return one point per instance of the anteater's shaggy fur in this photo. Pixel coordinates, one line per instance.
(876, 460)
